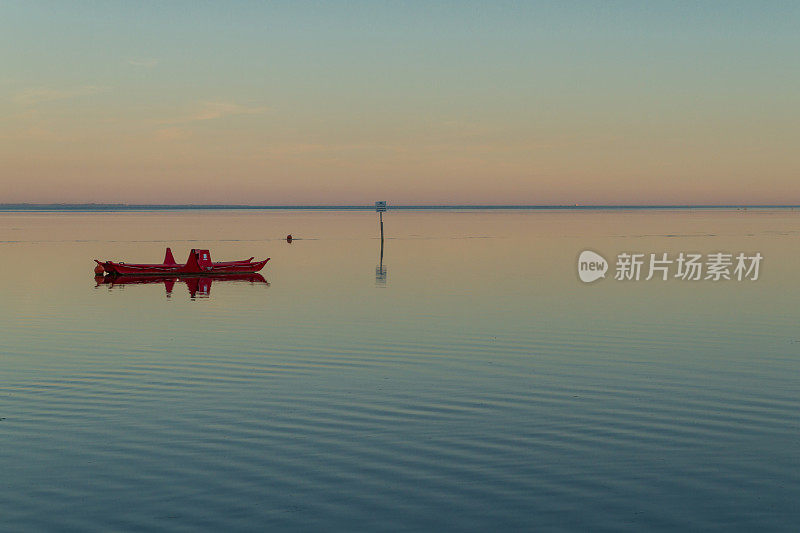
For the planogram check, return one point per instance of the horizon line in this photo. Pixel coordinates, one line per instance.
(92, 206)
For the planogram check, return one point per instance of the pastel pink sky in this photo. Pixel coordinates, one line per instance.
(348, 103)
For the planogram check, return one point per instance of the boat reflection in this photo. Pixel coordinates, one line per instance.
(198, 286)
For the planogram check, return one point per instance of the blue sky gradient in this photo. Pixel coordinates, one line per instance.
(344, 102)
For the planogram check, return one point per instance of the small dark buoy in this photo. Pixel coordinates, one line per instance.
(98, 270)
(289, 238)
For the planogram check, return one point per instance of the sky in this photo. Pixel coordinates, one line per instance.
(294, 102)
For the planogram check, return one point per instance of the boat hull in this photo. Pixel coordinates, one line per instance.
(198, 264)
(123, 269)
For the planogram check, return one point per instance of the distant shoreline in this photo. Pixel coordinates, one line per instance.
(459, 207)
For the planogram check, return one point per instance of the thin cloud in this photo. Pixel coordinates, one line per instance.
(171, 134)
(216, 110)
(44, 94)
(212, 110)
(145, 62)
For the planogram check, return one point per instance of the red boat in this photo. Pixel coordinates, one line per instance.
(198, 263)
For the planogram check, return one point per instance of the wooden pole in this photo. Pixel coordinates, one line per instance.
(381, 215)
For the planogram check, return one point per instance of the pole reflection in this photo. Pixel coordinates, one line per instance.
(380, 270)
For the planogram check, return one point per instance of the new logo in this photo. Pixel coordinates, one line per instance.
(591, 266)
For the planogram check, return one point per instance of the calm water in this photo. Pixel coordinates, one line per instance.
(477, 385)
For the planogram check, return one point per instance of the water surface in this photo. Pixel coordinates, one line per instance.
(477, 384)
